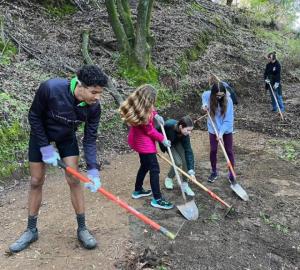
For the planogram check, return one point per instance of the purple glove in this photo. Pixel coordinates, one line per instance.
(94, 176)
(49, 155)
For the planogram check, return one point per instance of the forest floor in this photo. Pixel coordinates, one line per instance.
(265, 233)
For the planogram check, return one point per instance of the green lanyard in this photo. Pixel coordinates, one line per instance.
(73, 84)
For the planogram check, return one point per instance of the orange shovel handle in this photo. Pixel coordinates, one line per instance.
(118, 201)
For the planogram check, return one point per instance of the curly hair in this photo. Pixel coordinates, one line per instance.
(218, 87)
(136, 109)
(91, 75)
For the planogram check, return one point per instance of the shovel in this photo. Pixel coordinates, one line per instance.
(275, 98)
(189, 209)
(234, 186)
(211, 194)
(118, 201)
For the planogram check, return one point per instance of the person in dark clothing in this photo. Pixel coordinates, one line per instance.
(58, 108)
(178, 133)
(272, 76)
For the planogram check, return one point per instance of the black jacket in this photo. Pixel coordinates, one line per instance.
(272, 72)
(174, 137)
(55, 115)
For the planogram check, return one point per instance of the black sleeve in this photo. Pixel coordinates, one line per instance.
(36, 113)
(90, 136)
(277, 73)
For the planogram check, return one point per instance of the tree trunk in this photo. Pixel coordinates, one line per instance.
(117, 27)
(125, 15)
(229, 2)
(149, 12)
(142, 48)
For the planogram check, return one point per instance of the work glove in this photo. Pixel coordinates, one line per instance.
(166, 143)
(267, 81)
(205, 108)
(95, 183)
(49, 155)
(159, 119)
(276, 85)
(191, 172)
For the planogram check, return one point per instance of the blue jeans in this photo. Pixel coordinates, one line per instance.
(278, 95)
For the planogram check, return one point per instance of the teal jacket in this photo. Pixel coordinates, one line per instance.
(175, 137)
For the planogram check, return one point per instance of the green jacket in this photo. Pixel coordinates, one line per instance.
(175, 137)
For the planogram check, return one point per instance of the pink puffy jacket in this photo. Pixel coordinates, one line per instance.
(142, 138)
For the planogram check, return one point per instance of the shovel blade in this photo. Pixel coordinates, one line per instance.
(189, 210)
(237, 188)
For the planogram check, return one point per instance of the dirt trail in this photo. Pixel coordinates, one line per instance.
(264, 235)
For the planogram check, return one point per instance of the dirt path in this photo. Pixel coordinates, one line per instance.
(264, 235)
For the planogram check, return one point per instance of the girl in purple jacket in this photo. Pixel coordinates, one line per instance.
(139, 113)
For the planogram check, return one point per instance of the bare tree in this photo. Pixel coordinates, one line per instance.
(133, 40)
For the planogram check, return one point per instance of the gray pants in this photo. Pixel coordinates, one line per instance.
(179, 158)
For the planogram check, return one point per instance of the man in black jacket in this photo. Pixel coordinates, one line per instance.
(272, 77)
(58, 108)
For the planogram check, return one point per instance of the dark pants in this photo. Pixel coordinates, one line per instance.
(149, 163)
(228, 143)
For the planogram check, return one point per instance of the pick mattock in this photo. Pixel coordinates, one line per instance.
(118, 201)
(193, 179)
(234, 186)
(276, 101)
(189, 209)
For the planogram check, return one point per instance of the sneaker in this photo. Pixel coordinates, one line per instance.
(141, 193)
(186, 188)
(28, 237)
(213, 177)
(169, 183)
(86, 239)
(161, 203)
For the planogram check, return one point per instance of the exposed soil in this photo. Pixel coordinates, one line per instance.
(264, 234)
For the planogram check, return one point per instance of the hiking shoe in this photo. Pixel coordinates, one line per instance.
(86, 239)
(213, 177)
(187, 190)
(161, 203)
(169, 183)
(141, 193)
(28, 237)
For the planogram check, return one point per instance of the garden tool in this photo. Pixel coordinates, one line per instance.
(194, 180)
(234, 186)
(189, 209)
(275, 98)
(198, 119)
(118, 201)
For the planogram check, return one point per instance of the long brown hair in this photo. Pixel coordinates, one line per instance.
(218, 87)
(137, 108)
